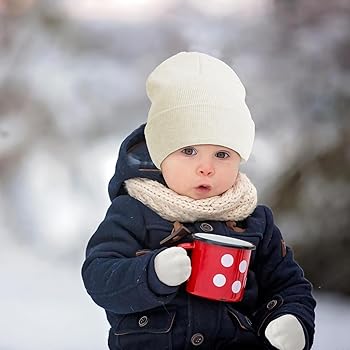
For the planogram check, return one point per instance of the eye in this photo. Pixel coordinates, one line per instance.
(189, 151)
(222, 155)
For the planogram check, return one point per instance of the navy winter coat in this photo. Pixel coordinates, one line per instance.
(144, 313)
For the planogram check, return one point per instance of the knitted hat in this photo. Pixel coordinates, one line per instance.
(196, 99)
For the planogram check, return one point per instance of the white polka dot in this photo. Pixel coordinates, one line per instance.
(243, 266)
(219, 280)
(236, 286)
(227, 260)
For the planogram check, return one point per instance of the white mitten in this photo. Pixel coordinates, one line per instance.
(286, 333)
(172, 266)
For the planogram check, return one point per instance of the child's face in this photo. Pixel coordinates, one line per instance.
(201, 171)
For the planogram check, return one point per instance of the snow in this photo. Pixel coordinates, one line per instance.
(44, 305)
(57, 215)
(332, 322)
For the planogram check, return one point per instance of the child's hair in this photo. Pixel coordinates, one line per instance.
(196, 99)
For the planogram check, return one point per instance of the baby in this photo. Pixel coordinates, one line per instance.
(177, 175)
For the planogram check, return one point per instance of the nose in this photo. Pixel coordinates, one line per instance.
(205, 169)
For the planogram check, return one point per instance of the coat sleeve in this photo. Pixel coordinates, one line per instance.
(113, 276)
(283, 288)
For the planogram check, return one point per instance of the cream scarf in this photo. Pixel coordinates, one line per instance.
(235, 204)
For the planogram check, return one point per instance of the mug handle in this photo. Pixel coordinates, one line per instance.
(187, 245)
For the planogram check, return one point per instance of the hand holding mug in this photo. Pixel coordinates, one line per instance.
(172, 266)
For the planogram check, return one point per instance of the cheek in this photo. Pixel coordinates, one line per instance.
(171, 175)
(229, 176)
(178, 179)
(169, 179)
(229, 181)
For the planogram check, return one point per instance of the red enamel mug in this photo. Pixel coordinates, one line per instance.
(219, 266)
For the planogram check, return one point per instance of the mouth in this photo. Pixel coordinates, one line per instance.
(204, 188)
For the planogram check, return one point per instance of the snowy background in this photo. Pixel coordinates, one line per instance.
(72, 75)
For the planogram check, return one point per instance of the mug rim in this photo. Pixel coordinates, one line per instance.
(225, 241)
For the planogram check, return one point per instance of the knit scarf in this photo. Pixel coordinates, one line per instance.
(235, 204)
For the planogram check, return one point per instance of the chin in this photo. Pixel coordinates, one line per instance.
(204, 196)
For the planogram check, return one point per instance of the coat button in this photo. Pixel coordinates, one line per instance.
(205, 227)
(271, 304)
(197, 339)
(143, 321)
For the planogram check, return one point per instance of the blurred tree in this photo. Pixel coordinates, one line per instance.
(312, 197)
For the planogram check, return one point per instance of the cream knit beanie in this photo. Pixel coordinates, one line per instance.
(196, 99)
